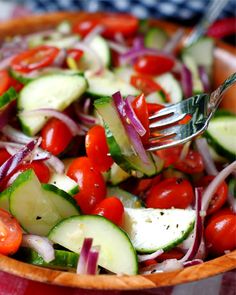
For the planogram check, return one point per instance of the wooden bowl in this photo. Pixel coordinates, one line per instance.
(225, 64)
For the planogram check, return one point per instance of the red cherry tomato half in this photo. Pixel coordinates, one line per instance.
(220, 195)
(40, 169)
(170, 192)
(111, 208)
(34, 59)
(153, 64)
(55, 136)
(141, 110)
(5, 81)
(91, 184)
(85, 25)
(10, 233)
(220, 234)
(97, 148)
(4, 155)
(153, 108)
(171, 254)
(170, 155)
(191, 164)
(76, 54)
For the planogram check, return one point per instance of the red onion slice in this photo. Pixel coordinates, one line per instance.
(16, 135)
(192, 262)
(73, 127)
(5, 63)
(204, 78)
(119, 48)
(98, 30)
(41, 245)
(165, 266)
(232, 202)
(212, 187)
(7, 113)
(174, 41)
(92, 262)
(9, 165)
(154, 255)
(203, 149)
(85, 118)
(84, 254)
(186, 81)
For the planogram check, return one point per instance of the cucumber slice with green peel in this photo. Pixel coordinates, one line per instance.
(128, 200)
(124, 73)
(152, 229)
(202, 52)
(221, 135)
(155, 38)
(38, 207)
(56, 91)
(116, 253)
(20, 77)
(107, 84)
(65, 183)
(119, 143)
(101, 47)
(117, 175)
(156, 97)
(7, 97)
(64, 260)
(4, 199)
(171, 86)
(193, 67)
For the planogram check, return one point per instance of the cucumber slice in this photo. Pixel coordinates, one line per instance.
(171, 86)
(100, 46)
(124, 73)
(117, 174)
(107, 84)
(20, 77)
(232, 187)
(64, 27)
(192, 66)
(152, 229)
(128, 200)
(63, 42)
(7, 97)
(116, 251)
(55, 91)
(221, 135)
(64, 183)
(39, 207)
(64, 260)
(156, 97)
(4, 199)
(155, 38)
(119, 144)
(202, 52)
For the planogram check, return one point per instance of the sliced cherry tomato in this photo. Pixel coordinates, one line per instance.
(153, 108)
(153, 64)
(111, 208)
(10, 233)
(149, 262)
(4, 155)
(171, 254)
(41, 170)
(85, 25)
(55, 136)
(222, 28)
(91, 184)
(97, 148)
(170, 192)
(170, 155)
(141, 110)
(76, 54)
(5, 81)
(220, 234)
(147, 85)
(145, 184)
(34, 59)
(220, 196)
(191, 164)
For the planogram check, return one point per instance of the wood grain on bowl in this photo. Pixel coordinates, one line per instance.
(224, 65)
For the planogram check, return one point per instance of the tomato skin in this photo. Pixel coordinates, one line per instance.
(40, 169)
(34, 59)
(86, 25)
(97, 149)
(153, 108)
(141, 110)
(91, 184)
(10, 233)
(153, 64)
(52, 139)
(170, 155)
(170, 192)
(5, 81)
(220, 234)
(4, 155)
(171, 254)
(220, 195)
(111, 208)
(191, 164)
(76, 54)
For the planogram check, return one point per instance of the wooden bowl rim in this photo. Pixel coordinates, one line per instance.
(210, 268)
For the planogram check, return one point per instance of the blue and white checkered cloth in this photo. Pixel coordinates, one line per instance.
(185, 10)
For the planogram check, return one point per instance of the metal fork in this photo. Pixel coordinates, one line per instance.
(168, 126)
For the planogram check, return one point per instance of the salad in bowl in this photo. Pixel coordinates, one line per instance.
(79, 191)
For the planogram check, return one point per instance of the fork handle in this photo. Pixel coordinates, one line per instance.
(217, 95)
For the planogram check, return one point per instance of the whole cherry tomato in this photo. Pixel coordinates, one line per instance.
(97, 148)
(153, 64)
(55, 136)
(191, 164)
(33, 59)
(220, 196)
(10, 233)
(111, 208)
(91, 184)
(141, 110)
(170, 192)
(220, 234)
